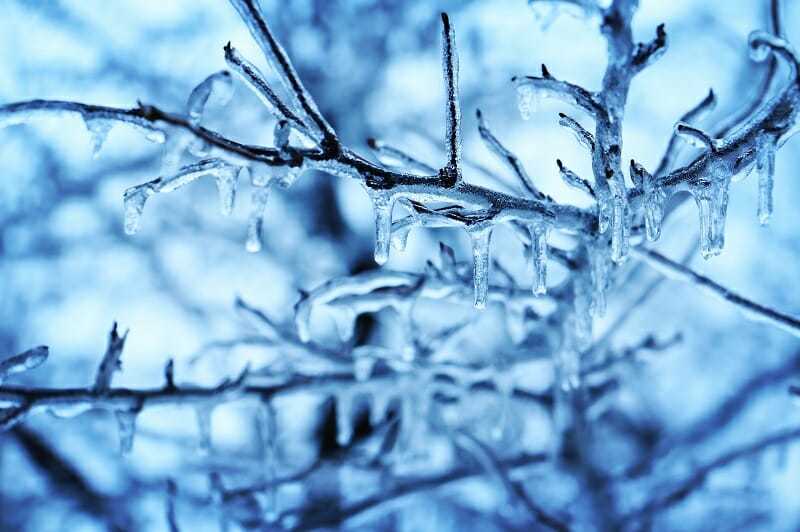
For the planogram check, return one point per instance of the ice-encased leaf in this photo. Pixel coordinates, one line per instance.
(24, 361)
(255, 228)
(481, 241)
(98, 129)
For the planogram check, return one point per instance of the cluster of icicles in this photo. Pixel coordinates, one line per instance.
(710, 193)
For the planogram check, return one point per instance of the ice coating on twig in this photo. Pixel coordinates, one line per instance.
(226, 176)
(218, 84)
(453, 114)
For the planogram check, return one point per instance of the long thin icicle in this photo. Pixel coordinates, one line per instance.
(765, 165)
(539, 232)
(382, 205)
(481, 241)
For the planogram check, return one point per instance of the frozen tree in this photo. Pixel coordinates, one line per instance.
(503, 385)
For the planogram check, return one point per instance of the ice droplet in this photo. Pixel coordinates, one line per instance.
(126, 426)
(765, 164)
(481, 241)
(382, 205)
(134, 201)
(539, 232)
(258, 211)
(98, 129)
(527, 101)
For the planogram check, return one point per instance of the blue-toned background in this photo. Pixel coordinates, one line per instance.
(68, 270)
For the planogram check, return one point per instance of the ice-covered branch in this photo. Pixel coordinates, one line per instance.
(750, 309)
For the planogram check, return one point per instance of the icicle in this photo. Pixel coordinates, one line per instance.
(379, 406)
(481, 240)
(220, 84)
(503, 380)
(382, 204)
(654, 212)
(570, 368)
(400, 237)
(654, 199)
(203, 413)
(258, 211)
(126, 426)
(527, 101)
(344, 318)
(600, 264)
(98, 129)
(363, 365)
(134, 199)
(620, 229)
(227, 177)
(765, 165)
(344, 415)
(176, 143)
(580, 327)
(287, 175)
(539, 232)
(712, 203)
